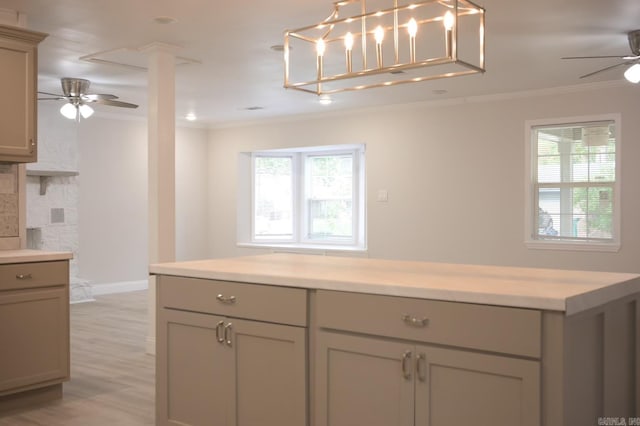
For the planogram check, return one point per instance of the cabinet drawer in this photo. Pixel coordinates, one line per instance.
(252, 301)
(491, 328)
(33, 274)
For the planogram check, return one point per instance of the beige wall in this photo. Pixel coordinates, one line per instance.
(113, 198)
(454, 174)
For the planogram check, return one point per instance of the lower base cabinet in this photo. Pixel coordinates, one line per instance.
(34, 332)
(379, 382)
(35, 336)
(217, 370)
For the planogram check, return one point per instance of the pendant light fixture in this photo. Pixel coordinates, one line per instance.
(357, 48)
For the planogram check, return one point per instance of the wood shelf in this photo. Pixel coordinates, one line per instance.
(45, 175)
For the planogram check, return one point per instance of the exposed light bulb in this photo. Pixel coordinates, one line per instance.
(412, 27)
(379, 34)
(69, 111)
(320, 47)
(632, 74)
(448, 21)
(348, 41)
(85, 111)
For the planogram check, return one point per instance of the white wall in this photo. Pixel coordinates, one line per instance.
(113, 198)
(454, 173)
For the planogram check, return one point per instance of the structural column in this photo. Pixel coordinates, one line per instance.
(161, 135)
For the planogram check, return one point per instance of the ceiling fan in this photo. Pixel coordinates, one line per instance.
(632, 73)
(75, 93)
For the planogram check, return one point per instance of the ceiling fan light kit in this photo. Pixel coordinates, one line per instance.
(357, 48)
(75, 94)
(632, 74)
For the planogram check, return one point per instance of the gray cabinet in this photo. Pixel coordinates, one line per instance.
(215, 367)
(494, 390)
(400, 373)
(18, 85)
(34, 336)
(359, 381)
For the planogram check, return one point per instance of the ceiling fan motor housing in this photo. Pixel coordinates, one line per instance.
(634, 42)
(75, 87)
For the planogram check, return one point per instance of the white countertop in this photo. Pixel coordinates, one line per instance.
(28, 255)
(547, 289)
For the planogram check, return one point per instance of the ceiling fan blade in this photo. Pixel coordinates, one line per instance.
(52, 94)
(596, 57)
(606, 69)
(60, 98)
(115, 103)
(98, 96)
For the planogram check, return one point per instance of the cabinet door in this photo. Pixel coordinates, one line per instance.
(269, 367)
(192, 370)
(34, 337)
(18, 104)
(363, 381)
(455, 387)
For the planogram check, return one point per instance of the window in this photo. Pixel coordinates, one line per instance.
(574, 175)
(307, 197)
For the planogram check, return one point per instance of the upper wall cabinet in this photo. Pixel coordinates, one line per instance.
(18, 85)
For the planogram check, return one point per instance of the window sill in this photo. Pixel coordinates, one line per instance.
(569, 246)
(307, 248)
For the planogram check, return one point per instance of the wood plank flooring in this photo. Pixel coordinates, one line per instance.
(112, 378)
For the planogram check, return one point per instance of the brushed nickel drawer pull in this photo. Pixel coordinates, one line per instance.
(415, 322)
(24, 276)
(227, 334)
(406, 373)
(228, 300)
(219, 336)
(421, 360)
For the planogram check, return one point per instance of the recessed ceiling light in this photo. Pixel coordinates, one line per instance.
(254, 108)
(191, 117)
(164, 20)
(325, 100)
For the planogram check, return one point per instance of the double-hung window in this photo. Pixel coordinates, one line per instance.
(306, 197)
(574, 180)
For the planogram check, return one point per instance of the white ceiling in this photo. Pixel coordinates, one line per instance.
(524, 43)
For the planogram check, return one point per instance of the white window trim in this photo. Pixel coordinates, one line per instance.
(530, 219)
(246, 209)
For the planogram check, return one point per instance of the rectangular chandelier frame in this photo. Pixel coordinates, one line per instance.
(330, 61)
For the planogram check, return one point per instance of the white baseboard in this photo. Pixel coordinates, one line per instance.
(119, 287)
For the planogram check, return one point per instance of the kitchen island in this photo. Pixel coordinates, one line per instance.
(287, 339)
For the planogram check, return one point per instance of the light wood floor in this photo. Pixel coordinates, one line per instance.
(112, 379)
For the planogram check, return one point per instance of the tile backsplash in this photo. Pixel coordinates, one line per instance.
(9, 202)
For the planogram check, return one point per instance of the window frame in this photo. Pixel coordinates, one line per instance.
(531, 185)
(300, 238)
(294, 196)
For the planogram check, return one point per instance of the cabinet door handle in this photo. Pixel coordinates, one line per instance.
(228, 300)
(405, 364)
(415, 322)
(24, 276)
(227, 333)
(421, 365)
(219, 333)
